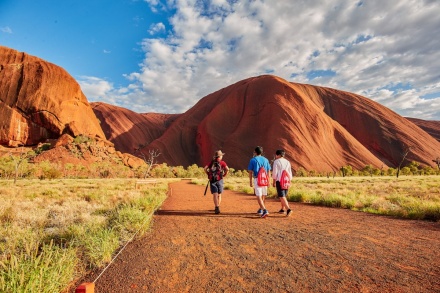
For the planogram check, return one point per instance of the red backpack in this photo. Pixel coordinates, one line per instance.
(262, 178)
(284, 180)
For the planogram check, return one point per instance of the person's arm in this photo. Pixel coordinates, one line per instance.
(289, 171)
(251, 177)
(274, 174)
(207, 167)
(251, 172)
(226, 168)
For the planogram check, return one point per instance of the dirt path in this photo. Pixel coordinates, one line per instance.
(317, 249)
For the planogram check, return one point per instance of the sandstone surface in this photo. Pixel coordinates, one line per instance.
(40, 100)
(131, 131)
(432, 127)
(320, 128)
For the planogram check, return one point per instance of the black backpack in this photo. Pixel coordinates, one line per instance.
(215, 171)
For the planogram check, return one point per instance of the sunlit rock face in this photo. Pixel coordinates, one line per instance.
(39, 101)
(320, 128)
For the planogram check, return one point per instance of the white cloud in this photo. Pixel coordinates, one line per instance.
(156, 28)
(6, 29)
(385, 50)
(94, 88)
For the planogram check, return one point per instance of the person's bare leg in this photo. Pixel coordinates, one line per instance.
(261, 202)
(284, 203)
(216, 199)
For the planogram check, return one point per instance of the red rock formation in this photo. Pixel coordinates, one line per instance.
(320, 128)
(130, 131)
(431, 127)
(39, 100)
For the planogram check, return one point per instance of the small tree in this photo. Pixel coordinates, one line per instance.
(405, 152)
(151, 160)
(20, 159)
(346, 170)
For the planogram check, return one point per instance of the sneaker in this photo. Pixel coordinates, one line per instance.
(264, 214)
(281, 211)
(260, 212)
(217, 210)
(289, 212)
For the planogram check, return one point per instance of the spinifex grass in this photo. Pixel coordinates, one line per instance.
(411, 197)
(52, 231)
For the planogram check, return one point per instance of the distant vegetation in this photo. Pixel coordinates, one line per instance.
(22, 167)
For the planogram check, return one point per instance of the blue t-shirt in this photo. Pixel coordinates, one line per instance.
(255, 164)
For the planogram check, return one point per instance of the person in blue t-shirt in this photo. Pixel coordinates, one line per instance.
(260, 191)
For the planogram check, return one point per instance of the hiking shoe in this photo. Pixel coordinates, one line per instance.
(289, 212)
(281, 211)
(264, 214)
(217, 210)
(260, 212)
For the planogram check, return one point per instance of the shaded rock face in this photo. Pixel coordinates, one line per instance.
(320, 128)
(39, 101)
(431, 127)
(129, 131)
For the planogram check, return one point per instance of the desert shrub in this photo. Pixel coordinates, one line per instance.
(346, 170)
(195, 171)
(7, 167)
(391, 172)
(44, 147)
(414, 168)
(240, 173)
(81, 139)
(48, 170)
(405, 171)
(301, 172)
(162, 171)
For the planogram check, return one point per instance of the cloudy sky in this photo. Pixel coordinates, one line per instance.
(163, 56)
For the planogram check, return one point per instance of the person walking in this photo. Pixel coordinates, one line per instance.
(217, 169)
(279, 165)
(260, 191)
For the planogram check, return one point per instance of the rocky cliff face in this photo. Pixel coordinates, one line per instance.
(431, 127)
(128, 130)
(320, 128)
(39, 101)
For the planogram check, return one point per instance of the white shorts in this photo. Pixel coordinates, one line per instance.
(259, 190)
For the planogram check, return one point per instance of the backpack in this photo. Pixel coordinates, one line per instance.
(262, 178)
(284, 180)
(215, 172)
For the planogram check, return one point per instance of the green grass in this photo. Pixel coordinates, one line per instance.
(408, 197)
(54, 231)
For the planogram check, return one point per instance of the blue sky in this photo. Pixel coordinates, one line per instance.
(163, 56)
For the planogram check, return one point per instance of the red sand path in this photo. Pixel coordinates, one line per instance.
(317, 249)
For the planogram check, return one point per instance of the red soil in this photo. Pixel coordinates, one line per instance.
(317, 249)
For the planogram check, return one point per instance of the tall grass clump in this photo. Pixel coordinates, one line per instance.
(37, 269)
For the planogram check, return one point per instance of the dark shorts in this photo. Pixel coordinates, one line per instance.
(281, 192)
(216, 187)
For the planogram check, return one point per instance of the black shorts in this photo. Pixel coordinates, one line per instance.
(281, 192)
